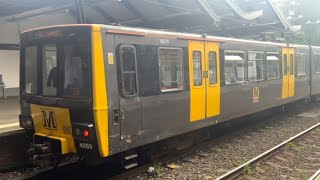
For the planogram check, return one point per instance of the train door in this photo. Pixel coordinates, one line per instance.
(212, 79)
(288, 72)
(285, 76)
(204, 80)
(130, 104)
(291, 72)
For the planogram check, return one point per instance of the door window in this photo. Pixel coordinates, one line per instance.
(212, 68)
(291, 65)
(128, 70)
(285, 64)
(197, 68)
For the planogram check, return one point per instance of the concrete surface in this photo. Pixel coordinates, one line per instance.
(9, 112)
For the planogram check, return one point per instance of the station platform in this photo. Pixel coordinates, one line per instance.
(9, 114)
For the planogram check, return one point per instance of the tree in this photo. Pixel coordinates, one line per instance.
(305, 13)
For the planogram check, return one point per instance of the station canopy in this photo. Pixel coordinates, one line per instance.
(219, 17)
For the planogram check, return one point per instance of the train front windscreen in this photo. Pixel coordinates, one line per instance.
(57, 63)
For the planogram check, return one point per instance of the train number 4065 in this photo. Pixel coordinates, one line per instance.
(85, 146)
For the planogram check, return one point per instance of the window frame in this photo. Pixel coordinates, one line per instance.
(244, 65)
(279, 66)
(263, 65)
(305, 64)
(182, 70)
(122, 73)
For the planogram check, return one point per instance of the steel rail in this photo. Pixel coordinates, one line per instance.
(315, 175)
(232, 174)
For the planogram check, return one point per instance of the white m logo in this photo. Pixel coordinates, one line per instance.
(49, 119)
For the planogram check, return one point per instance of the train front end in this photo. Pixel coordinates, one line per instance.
(63, 92)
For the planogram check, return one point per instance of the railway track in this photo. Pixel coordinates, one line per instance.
(297, 157)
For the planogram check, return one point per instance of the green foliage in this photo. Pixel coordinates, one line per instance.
(304, 13)
(238, 163)
(303, 176)
(158, 169)
(247, 169)
(295, 147)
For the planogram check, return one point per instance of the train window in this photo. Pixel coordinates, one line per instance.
(273, 65)
(317, 63)
(234, 67)
(301, 64)
(171, 69)
(77, 73)
(212, 68)
(49, 70)
(31, 70)
(291, 65)
(285, 64)
(128, 70)
(197, 68)
(255, 66)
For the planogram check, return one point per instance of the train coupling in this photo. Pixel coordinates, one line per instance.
(41, 154)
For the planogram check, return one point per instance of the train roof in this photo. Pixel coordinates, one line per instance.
(166, 34)
(189, 36)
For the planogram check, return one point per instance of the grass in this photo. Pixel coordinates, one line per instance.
(158, 169)
(303, 176)
(238, 162)
(247, 169)
(295, 147)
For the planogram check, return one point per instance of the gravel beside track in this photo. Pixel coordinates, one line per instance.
(299, 159)
(223, 154)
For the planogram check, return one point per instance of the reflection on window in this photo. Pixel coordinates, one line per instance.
(301, 64)
(31, 70)
(77, 74)
(285, 65)
(128, 69)
(212, 68)
(273, 65)
(49, 70)
(197, 68)
(171, 69)
(291, 65)
(255, 66)
(317, 63)
(234, 67)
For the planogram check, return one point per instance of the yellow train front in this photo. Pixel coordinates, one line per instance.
(103, 91)
(63, 104)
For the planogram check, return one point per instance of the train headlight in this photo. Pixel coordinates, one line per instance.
(26, 122)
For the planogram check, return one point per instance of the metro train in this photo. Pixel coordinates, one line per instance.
(103, 91)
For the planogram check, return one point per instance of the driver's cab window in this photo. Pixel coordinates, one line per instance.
(128, 70)
(49, 70)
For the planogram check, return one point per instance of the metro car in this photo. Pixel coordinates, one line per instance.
(102, 91)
